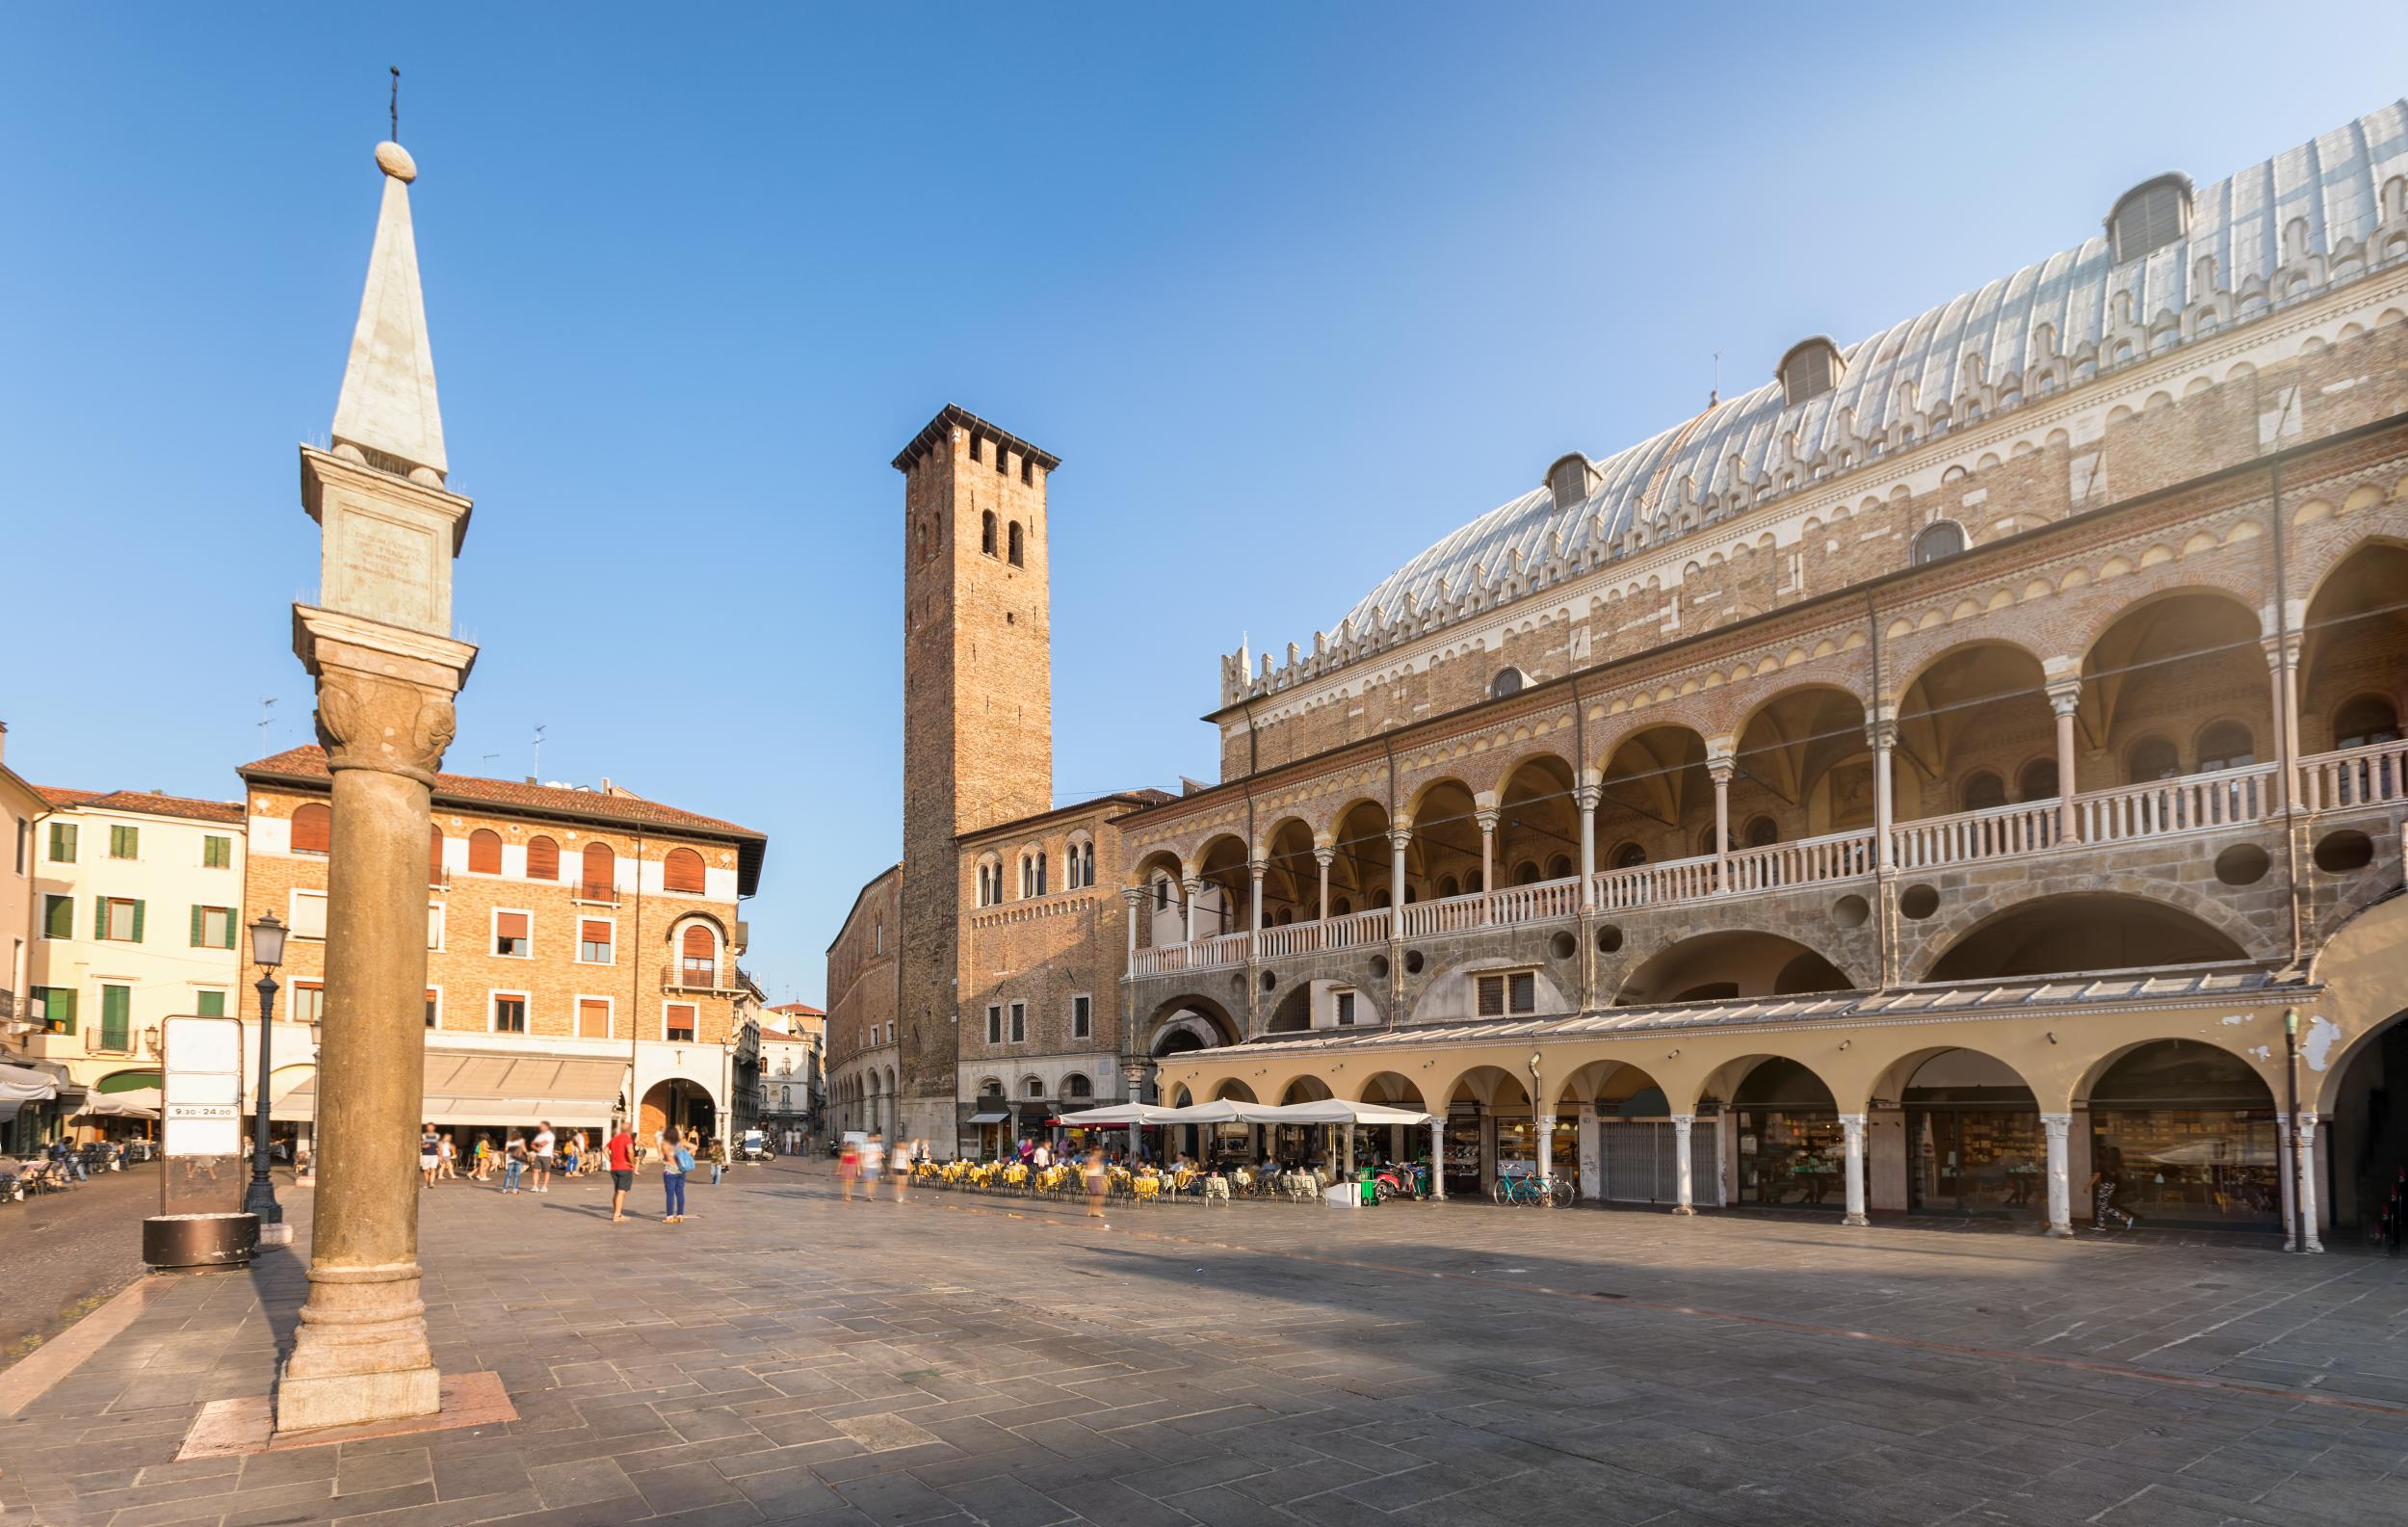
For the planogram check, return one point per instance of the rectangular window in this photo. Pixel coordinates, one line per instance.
(593, 1017)
(58, 917)
(213, 928)
(995, 1025)
(125, 843)
(62, 842)
(116, 919)
(434, 925)
(308, 1003)
(677, 1023)
(594, 941)
(209, 1004)
(1081, 1017)
(24, 843)
(434, 1007)
(1345, 1004)
(1507, 993)
(58, 1009)
(307, 914)
(509, 1014)
(1019, 1022)
(511, 936)
(217, 853)
(117, 1017)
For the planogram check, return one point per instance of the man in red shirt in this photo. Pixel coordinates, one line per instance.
(622, 1149)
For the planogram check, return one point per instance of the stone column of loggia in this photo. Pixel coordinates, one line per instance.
(2056, 1126)
(1587, 797)
(1132, 898)
(1323, 853)
(1438, 1156)
(1193, 885)
(2304, 1154)
(1684, 1190)
(1546, 1148)
(1720, 770)
(1853, 1126)
(1486, 817)
(2065, 700)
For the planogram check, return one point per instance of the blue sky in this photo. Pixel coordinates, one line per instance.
(1293, 290)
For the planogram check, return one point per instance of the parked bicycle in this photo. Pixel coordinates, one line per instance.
(1530, 1187)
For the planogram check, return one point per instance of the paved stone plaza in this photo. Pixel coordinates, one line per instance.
(785, 1357)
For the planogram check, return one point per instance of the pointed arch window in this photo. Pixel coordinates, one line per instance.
(682, 872)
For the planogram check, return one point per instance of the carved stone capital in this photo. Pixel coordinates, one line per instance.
(384, 694)
(2064, 694)
(1487, 817)
(1324, 853)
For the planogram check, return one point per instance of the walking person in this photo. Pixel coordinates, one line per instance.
(2107, 1185)
(719, 1159)
(513, 1163)
(873, 1163)
(430, 1153)
(1093, 1169)
(848, 1169)
(620, 1147)
(542, 1152)
(481, 1158)
(675, 1162)
(450, 1154)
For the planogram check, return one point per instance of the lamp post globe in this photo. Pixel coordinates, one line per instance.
(267, 952)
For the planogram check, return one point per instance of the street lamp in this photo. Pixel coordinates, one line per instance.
(267, 952)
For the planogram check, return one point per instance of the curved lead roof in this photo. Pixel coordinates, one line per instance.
(2333, 181)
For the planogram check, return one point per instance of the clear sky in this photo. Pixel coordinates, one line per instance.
(1293, 289)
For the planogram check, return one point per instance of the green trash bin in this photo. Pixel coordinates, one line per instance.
(1371, 1188)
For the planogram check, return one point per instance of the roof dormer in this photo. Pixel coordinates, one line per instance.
(1811, 368)
(2151, 215)
(1571, 480)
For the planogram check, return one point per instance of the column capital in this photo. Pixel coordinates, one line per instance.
(1487, 817)
(2056, 1125)
(1681, 1121)
(1881, 733)
(1131, 896)
(1258, 868)
(1324, 853)
(1721, 766)
(1851, 1121)
(2282, 650)
(384, 693)
(1588, 797)
(1194, 885)
(2064, 694)
(1401, 838)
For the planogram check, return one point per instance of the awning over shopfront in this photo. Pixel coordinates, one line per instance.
(20, 1085)
(142, 1103)
(486, 1086)
(990, 1119)
(1328, 1111)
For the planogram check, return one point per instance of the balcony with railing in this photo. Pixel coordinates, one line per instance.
(2358, 779)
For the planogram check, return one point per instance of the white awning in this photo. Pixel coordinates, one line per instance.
(498, 1087)
(1328, 1111)
(20, 1085)
(139, 1102)
(990, 1119)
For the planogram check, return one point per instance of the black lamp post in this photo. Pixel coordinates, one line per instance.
(267, 952)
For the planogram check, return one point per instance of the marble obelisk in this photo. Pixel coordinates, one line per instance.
(379, 645)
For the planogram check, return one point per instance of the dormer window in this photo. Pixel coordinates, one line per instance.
(1508, 681)
(2149, 216)
(1811, 369)
(1942, 538)
(1571, 480)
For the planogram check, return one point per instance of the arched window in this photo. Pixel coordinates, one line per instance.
(1341, 907)
(1076, 1085)
(1811, 369)
(1015, 543)
(313, 828)
(434, 855)
(986, 533)
(2226, 745)
(1982, 791)
(1559, 868)
(1032, 1088)
(699, 957)
(2360, 723)
(598, 876)
(1629, 857)
(1763, 832)
(1942, 538)
(990, 1087)
(2038, 780)
(543, 858)
(2152, 759)
(682, 872)
(1508, 681)
(484, 852)
(1474, 882)
(1078, 867)
(1449, 886)
(2149, 216)
(1526, 873)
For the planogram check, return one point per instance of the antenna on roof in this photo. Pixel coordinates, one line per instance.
(538, 752)
(1715, 396)
(266, 713)
(489, 757)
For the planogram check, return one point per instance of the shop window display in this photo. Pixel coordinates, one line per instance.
(1974, 1143)
(1792, 1149)
(2190, 1131)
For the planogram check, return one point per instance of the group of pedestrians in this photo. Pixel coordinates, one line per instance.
(681, 1153)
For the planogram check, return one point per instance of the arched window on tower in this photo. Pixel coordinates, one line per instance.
(1015, 545)
(986, 533)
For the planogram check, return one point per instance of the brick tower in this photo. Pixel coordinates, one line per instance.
(978, 714)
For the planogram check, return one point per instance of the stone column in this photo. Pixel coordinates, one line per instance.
(1488, 820)
(1487, 1148)
(1882, 734)
(1398, 839)
(1193, 885)
(1683, 1191)
(1132, 898)
(1438, 1156)
(2282, 660)
(2285, 1161)
(1323, 853)
(1592, 1155)
(1346, 1146)
(2065, 700)
(1854, 1125)
(2304, 1153)
(1587, 797)
(2061, 1182)
(1255, 872)
(385, 714)
(1546, 1144)
(1720, 769)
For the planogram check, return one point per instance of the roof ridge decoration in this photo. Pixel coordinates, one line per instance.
(387, 416)
(2309, 219)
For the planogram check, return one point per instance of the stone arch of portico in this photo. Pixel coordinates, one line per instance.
(1141, 873)
(1910, 662)
(1655, 787)
(1962, 919)
(2245, 596)
(1198, 1016)
(2241, 1040)
(1390, 1089)
(2311, 575)
(1650, 952)
(1291, 875)
(1850, 1085)
(1889, 1078)
(1601, 1083)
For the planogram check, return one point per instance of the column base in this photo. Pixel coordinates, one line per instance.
(360, 1354)
(1685, 1209)
(2059, 1233)
(352, 1399)
(1854, 1218)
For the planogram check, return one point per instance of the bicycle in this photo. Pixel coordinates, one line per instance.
(1548, 1190)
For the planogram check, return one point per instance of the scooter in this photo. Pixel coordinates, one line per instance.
(1402, 1181)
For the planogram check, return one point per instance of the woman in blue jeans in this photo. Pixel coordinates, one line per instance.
(672, 1177)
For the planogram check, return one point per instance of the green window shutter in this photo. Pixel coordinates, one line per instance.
(138, 922)
(59, 1006)
(58, 917)
(116, 1012)
(195, 928)
(229, 927)
(210, 1004)
(100, 917)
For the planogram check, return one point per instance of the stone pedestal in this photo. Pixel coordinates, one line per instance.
(385, 714)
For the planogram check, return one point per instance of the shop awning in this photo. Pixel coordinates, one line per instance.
(1328, 1111)
(990, 1119)
(141, 1102)
(491, 1087)
(20, 1085)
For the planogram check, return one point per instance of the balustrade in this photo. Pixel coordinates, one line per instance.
(1654, 884)
(2375, 775)
(1966, 836)
(1833, 856)
(2190, 804)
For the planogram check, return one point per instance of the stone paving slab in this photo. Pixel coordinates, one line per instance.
(786, 1358)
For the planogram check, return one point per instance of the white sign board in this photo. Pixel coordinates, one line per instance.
(201, 1111)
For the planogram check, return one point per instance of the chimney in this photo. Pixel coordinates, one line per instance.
(531, 778)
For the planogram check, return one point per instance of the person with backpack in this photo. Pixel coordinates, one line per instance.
(675, 1162)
